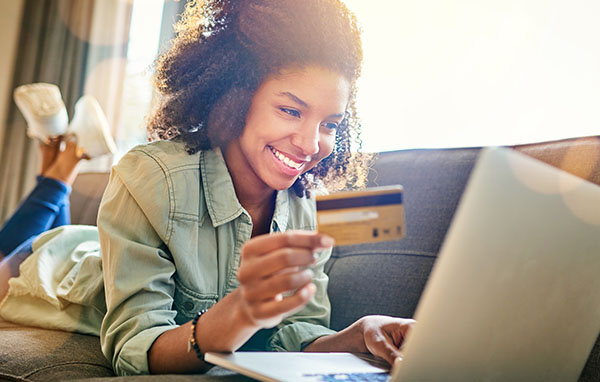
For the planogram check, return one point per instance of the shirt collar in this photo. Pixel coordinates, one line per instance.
(221, 200)
(282, 211)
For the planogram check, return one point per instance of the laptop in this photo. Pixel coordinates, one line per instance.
(513, 296)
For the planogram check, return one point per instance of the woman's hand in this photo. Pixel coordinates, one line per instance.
(272, 266)
(382, 336)
(273, 275)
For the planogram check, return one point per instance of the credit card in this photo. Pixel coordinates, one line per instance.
(366, 216)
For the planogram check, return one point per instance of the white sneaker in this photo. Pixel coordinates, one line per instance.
(44, 110)
(90, 126)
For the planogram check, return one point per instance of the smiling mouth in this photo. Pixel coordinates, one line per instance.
(287, 161)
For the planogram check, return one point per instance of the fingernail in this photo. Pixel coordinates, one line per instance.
(327, 241)
(308, 290)
(309, 273)
(304, 292)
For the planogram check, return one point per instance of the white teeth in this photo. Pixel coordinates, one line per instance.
(286, 160)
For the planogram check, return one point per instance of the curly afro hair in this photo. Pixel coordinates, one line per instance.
(224, 50)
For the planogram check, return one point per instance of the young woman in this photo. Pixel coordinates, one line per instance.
(207, 236)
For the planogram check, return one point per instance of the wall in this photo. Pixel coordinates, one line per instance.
(10, 25)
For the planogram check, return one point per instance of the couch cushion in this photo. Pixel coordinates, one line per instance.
(591, 371)
(216, 374)
(32, 354)
(433, 182)
(88, 189)
(370, 281)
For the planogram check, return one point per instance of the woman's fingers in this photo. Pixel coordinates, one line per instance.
(286, 306)
(384, 347)
(276, 285)
(261, 267)
(271, 268)
(261, 245)
(384, 336)
(266, 255)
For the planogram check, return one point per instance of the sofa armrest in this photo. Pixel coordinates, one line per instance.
(578, 156)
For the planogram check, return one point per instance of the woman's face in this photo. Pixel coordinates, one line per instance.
(290, 127)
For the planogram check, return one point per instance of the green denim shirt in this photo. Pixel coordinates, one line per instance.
(170, 230)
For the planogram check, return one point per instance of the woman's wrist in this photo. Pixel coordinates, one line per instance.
(239, 328)
(241, 315)
(222, 328)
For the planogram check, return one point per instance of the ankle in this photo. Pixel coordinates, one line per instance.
(49, 151)
(65, 167)
(61, 173)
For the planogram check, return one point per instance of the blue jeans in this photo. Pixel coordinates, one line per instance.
(46, 207)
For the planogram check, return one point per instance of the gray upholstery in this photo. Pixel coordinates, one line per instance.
(214, 375)
(47, 355)
(382, 278)
(85, 197)
(397, 271)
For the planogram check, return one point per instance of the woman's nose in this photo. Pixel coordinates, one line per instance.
(307, 139)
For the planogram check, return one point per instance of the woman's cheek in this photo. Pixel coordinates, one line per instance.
(327, 146)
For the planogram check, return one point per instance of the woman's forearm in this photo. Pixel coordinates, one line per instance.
(348, 340)
(222, 328)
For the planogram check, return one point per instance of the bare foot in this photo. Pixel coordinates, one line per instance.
(64, 168)
(49, 150)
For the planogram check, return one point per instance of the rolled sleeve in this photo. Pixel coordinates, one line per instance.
(295, 337)
(133, 357)
(299, 330)
(138, 269)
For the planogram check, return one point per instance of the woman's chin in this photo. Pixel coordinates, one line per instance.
(282, 184)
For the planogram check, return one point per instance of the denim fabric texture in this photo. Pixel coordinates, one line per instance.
(46, 207)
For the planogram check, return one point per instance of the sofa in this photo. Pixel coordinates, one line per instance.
(381, 278)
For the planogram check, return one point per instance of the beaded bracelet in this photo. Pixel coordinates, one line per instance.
(192, 344)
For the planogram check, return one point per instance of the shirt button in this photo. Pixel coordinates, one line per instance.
(188, 305)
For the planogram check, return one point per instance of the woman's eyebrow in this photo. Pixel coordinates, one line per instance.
(295, 99)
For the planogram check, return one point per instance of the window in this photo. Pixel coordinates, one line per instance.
(444, 73)
(137, 88)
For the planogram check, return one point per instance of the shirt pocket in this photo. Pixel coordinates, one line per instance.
(188, 302)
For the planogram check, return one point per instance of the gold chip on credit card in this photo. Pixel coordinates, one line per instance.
(356, 217)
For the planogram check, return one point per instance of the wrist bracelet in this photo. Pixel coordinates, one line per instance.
(192, 344)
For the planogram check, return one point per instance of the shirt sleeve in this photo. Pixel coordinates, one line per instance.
(299, 330)
(137, 266)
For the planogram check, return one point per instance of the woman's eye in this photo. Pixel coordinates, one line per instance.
(331, 125)
(292, 112)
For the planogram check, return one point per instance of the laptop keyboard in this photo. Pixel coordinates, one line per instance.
(354, 377)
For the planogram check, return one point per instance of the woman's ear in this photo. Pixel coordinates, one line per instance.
(227, 118)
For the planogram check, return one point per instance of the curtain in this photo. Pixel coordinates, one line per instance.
(79, 45)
